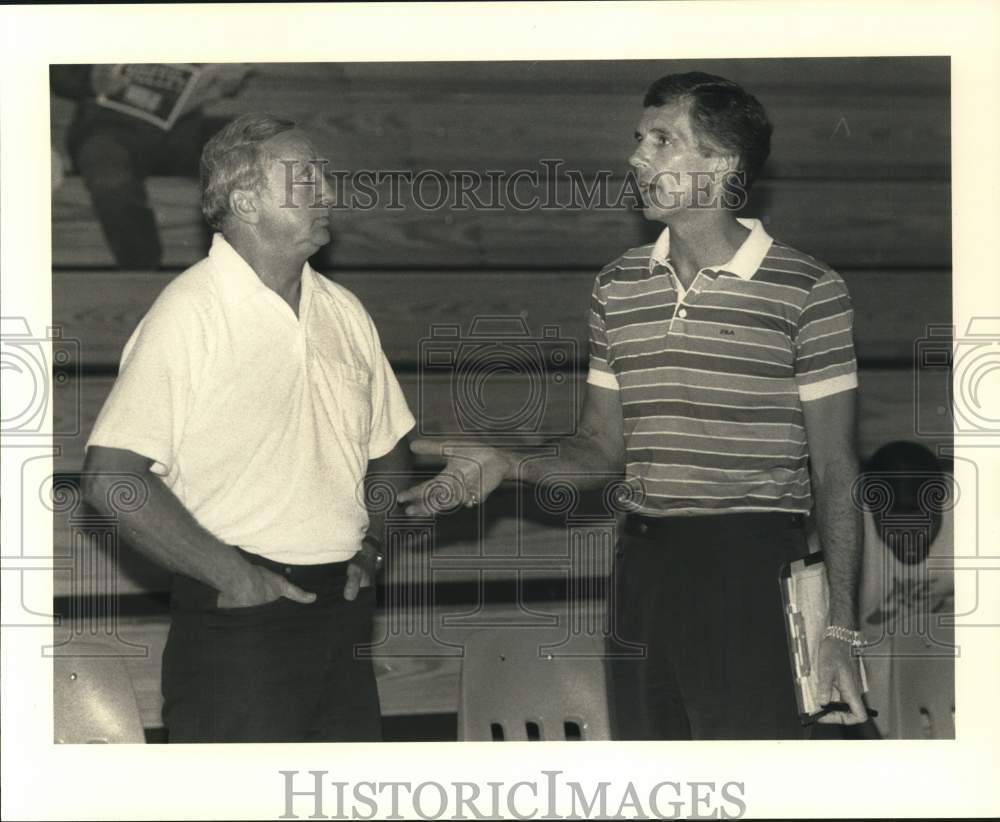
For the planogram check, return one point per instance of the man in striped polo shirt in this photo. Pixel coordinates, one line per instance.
(722, 382)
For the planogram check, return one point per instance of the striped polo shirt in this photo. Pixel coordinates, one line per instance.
(712, 380)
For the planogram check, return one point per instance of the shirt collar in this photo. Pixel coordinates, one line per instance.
(240, 280)
(744, 263)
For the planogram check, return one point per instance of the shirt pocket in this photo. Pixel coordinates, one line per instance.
(345, 394)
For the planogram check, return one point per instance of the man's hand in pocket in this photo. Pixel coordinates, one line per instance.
(361, 572)
(260, 586)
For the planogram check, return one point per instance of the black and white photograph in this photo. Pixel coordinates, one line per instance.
(385, 397)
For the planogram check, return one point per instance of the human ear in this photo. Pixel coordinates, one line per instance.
(726, 164)
(243, 205)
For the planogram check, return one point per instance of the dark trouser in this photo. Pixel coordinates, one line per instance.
(115, 154)
(279, 672)
(701, 594)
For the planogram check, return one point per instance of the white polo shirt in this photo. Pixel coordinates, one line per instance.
(261, 423)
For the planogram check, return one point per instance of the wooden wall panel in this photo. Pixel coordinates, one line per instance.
(865, 224)
(101, 309)
(463, 547)
(834, 119)
(888, 410)
(888, 398)
(816, 136)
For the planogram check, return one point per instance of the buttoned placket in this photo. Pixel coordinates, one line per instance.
(295, 329)
(684, 295)
(299, 321)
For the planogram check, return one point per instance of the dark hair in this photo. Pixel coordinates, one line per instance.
(725, 118)
(233, 159)
(904, 456)
(912, 484)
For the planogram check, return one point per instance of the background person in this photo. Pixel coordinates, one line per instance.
(115, 152)
(907, 594)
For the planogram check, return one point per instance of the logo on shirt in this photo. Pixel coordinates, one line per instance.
(727, 332)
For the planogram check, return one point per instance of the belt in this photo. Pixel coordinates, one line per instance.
(190, 594)
(301, 575)
(642, 525)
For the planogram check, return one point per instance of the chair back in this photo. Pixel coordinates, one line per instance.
(524, 683)
(94, 699)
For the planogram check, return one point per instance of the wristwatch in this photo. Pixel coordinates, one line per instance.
(855, 639)
(375, 550)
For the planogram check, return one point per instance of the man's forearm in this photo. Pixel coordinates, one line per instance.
(165, 532)
(381, 491)
(386, 477)
(592, 458)
(840, 532)
(580, 457)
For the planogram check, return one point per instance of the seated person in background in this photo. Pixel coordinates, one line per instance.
(115, 152)
(906, 597)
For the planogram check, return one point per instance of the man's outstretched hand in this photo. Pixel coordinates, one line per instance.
(472, 472)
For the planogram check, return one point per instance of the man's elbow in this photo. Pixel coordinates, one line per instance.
(93, 492)
(94, 482)
(605, 451)
(106, 468)
(835, 470)
(611, 457)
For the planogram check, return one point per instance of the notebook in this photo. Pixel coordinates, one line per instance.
(805, 597)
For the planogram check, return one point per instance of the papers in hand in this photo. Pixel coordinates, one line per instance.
(155, 93)
(805, 596)
(159, 93)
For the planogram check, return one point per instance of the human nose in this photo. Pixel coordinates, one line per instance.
(637, 159)
(327, 193)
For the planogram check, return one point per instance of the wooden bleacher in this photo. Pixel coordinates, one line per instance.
(508, 115)
(416, 239)
(859, 178)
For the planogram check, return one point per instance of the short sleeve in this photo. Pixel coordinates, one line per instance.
(151, 399)
(391, 417)
(825, 362)
(599, 372)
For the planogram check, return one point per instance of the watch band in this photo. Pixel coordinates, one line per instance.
(377, 550)
(854, 638)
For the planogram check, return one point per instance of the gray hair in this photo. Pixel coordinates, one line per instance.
(234, 159)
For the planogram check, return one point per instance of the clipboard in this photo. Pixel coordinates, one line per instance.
(805, 598)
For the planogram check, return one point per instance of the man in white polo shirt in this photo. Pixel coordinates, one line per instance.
(251, 402)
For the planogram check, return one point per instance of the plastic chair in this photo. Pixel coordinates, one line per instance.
(925, 690)
(94, 700)
(911, 664)
(517, 684)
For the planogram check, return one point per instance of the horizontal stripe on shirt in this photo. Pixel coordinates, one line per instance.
(712, 395)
